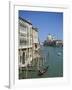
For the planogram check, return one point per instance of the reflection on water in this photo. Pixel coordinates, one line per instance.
(54, 59)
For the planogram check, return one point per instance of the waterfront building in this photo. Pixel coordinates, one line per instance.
(51, 41)
(25, 42)
(59, 43)
(36, 44)
(28, 43)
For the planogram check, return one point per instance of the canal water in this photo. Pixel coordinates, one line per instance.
(54, 61)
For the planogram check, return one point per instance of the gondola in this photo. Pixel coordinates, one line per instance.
(41, 72)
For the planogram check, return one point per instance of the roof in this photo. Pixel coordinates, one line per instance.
(25, 20)
(35, 28)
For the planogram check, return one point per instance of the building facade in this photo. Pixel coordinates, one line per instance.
(28, 42)
(36, 45)
(59, 43)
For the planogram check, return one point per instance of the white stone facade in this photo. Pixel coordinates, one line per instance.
(27, 38)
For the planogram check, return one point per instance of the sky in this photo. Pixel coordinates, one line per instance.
(46, 22)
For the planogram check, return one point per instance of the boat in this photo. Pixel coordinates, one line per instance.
(59, 53)
(41, 72)
(41, 63)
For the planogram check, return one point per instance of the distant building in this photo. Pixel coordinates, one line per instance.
(59, 43)
(50, 37)
(51, 41)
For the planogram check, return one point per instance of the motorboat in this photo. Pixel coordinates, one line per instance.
(59, 53)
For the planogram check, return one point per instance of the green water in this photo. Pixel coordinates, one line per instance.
(54, 59)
